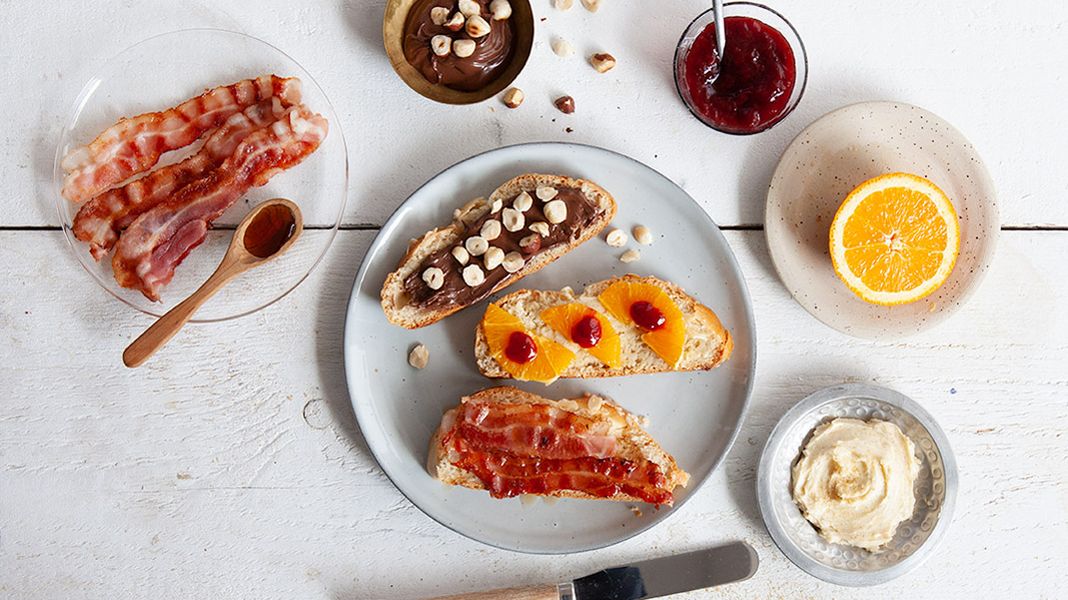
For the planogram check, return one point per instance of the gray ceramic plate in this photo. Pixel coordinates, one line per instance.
(915, 539)
(838, 152)
(694, 416)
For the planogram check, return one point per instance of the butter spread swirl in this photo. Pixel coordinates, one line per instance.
(854, 481)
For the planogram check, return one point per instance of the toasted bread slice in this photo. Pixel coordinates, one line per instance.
(631, 440)
(397, 303)
(707, 343)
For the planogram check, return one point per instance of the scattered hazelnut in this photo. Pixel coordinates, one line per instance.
(630, 256)
(555, 211)
(470, 8)
(513, 219)
(541, 228)
(461, 255)
(513, 97)
(530, 244)
(455, 22)
(419, 356)
(563, 4)
(501, 9)
(477, 26)
(545, 193)
(491, 229)
(495, 206)
(439, 15)
(493, 258)
(566, 104)
(642, 235)
(523, 202)
(513, 261)
(463, 48)
(603, 62)
(562, 47)
(434, 278)
(476, 245)
(591, 5)
(617, 238)
(473, 275)
(441, 45)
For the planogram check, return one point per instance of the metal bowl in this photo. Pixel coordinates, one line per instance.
(935, 489)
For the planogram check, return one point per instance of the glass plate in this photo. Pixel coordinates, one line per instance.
(165, 70)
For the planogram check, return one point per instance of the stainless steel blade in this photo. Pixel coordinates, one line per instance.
(658, 577)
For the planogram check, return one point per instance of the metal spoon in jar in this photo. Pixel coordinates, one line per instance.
(721, 36)
(265, 233)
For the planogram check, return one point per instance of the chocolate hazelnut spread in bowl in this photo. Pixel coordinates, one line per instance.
(458, 51)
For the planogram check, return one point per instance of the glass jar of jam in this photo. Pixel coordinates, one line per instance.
(759, 79)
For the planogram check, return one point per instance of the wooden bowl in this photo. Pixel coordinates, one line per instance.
(393, 38)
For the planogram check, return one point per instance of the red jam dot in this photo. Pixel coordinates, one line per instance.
(756, 76)
(647, 316)
(586, 331)
(521, 348)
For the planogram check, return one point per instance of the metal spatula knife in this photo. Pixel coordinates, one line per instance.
(736, 561)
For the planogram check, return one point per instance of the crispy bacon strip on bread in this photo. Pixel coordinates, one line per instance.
(135, 144)
(511, 442)
(157, 241)
(100, 220)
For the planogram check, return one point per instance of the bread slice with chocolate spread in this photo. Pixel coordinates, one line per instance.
(525, 224)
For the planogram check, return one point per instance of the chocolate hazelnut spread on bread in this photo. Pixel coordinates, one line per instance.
(580, 214)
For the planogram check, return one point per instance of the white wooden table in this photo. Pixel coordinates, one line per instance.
(231, 465)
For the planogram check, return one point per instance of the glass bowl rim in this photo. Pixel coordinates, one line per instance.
(90, 87)
(804, 62)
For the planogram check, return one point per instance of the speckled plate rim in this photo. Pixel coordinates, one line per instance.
(984, 179)
(775, 528)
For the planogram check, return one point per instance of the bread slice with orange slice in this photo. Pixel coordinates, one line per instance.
(525, 224)
(510, 443)
(643, 325)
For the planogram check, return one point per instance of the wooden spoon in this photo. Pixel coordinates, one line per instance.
(264, 234)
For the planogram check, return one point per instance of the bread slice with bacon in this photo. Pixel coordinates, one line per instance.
(512, 442)
(691, 338)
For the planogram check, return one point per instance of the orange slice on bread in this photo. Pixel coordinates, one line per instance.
(564, 318)
(547, 358)
(668, 339)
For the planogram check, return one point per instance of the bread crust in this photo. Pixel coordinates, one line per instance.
(633, 441)
(708, 343)
(394, 300)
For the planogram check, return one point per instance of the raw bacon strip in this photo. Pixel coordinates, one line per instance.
(157, 241)
(534, 430)
(135, 144)
(101, 219)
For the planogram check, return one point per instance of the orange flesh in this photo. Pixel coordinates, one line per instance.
(668, 341)
(551, 359)
(895, 240)
(562, 319)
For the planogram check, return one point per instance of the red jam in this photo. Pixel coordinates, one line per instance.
(587, 331)
(756, 76)
(521, 348)
(647, 316)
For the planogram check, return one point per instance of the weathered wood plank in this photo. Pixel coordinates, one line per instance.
(214, 472)
(398, 140)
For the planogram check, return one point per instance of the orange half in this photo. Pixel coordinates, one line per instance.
(563, 317)
(895, 239)
(551, 359)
